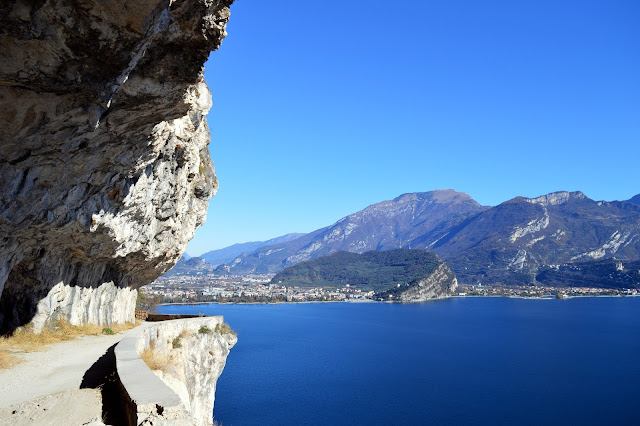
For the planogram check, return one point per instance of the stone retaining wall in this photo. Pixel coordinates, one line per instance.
(183, 392)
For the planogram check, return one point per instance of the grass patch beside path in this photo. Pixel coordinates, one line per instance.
(154, 360)
(7, 360)
(25, 340)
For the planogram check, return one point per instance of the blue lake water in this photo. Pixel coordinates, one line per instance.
(456, 361)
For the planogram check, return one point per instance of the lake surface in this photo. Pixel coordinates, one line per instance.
(456, 361)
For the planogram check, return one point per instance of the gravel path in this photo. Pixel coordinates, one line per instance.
(59, 367)
(72, 407)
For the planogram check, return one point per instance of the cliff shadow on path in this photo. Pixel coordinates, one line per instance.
(103, 375)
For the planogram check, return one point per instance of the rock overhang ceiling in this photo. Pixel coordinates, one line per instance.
(104, 151)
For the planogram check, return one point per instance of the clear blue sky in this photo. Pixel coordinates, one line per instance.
(321, 109)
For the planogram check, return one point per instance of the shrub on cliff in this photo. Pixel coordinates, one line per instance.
(176, 343)
(224, 329)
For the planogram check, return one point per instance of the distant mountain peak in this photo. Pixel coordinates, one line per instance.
(553, 198)
(438, 195)
(385, 225)
(634, 200)
(389, 208)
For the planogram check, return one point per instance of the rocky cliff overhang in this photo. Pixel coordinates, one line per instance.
(103, 142)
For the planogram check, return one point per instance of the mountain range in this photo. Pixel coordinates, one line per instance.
(382, 226)
(188, 265)
(227, 254)
(510, 243)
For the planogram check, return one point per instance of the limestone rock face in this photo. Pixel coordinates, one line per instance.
(195, 351)
(440, 284)
(105, 304)
(103, 143)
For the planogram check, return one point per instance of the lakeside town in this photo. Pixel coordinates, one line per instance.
(243, 289)
(258, 289)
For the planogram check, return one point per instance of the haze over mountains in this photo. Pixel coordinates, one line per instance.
(227, 254)
(206, 263)
(510, 243)
(190, 266)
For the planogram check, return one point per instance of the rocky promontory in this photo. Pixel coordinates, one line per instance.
(401, 275)
(103, 150)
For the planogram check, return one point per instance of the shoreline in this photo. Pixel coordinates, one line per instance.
(268, 303)
(377, 301)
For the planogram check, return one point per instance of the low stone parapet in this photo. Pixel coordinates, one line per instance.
(189, 355)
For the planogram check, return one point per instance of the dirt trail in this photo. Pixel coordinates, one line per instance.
(61, 367)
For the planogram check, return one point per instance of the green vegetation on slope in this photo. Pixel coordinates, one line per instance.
(373, 270)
